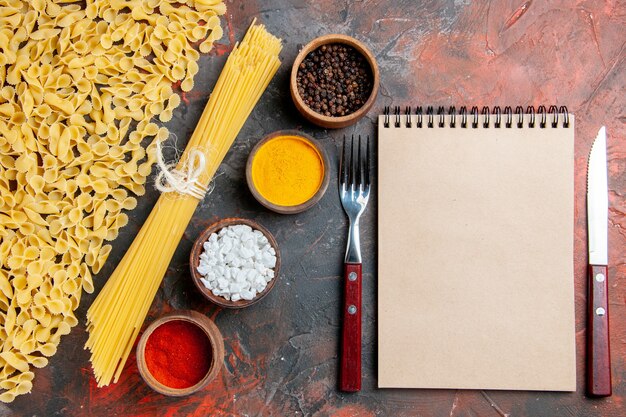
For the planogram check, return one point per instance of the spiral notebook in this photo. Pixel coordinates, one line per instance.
(475, 251)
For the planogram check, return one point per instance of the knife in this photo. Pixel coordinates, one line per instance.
(598, 349)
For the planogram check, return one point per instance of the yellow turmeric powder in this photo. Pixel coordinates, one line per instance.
(287, 170)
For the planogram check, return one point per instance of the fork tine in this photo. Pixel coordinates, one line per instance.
(359, 165)
(350, 163)
(343, 172)
(368, 175)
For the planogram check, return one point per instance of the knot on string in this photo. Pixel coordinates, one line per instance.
(184, 180)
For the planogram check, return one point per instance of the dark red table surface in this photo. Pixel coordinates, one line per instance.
(281, 354)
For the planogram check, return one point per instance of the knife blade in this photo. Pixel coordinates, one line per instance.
(598, 347)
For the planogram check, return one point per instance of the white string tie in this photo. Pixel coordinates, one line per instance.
(185, 180)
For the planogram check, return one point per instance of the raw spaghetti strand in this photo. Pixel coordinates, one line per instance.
(117, 314)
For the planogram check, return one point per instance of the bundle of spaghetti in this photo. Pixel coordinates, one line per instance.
(116, 316)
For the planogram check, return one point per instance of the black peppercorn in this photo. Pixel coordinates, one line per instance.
(334, 80)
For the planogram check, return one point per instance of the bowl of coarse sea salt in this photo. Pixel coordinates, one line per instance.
(235, 262)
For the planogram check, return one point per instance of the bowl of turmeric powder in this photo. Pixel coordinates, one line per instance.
(288, 171)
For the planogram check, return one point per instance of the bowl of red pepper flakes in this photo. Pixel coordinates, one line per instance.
(180, 353)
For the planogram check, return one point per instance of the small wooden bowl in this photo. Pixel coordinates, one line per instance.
(300, 207)
(217, 352)
(329, 121)
(194, 262)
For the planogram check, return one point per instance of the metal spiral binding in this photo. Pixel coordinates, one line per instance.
(486, 118)
(542, 109)
(463, 113)
(441, 112)
(475, 116)
(485, 112)
(563, 110)
(555, 115)
(531, 111)
(519, 111)
(396, 112)
(509, 116)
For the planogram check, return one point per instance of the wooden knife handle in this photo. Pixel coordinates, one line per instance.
(350, 369)
(598, 347)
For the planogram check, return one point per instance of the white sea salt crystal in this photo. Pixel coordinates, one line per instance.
(241, 275)
(246, 253)
(269, 260)
(247, 295)
(226, 248)
(204, 268)
(237, 263)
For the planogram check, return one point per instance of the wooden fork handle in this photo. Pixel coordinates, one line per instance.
(350, 369)
(598, 350)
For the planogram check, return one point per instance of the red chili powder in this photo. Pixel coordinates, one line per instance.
(178, 354)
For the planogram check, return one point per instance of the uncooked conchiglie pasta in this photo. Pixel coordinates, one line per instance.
(74, 82)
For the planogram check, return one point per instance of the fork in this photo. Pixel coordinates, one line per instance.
(354, 191)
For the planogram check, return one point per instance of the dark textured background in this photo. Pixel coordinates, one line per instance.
(281, 354)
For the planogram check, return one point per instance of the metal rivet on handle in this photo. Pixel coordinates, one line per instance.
(600, 278)
(352, 276)
(600, 311)
(352, 309)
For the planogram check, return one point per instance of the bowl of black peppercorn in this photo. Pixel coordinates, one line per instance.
(334, 81)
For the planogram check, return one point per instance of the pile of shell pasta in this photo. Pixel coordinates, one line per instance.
(80, 83)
